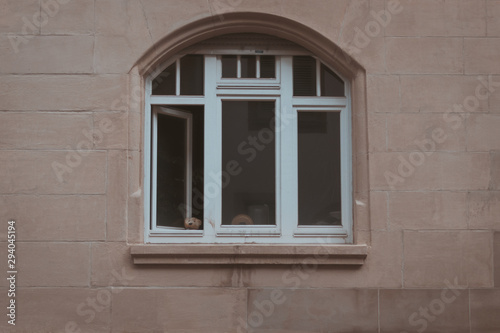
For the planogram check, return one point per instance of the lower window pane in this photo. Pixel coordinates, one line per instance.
(319, 168)
(176, 163)
(248, 163)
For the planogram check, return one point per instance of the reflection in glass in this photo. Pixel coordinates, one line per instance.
(319, 168)
(248, 163)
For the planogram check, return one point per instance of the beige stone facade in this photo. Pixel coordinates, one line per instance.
(425, 78)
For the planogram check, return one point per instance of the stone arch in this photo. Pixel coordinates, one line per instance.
(261, 23)
(269, 24)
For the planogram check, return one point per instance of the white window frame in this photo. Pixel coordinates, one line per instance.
(189, 167)
(280, 90)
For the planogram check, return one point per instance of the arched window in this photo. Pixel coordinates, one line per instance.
(250, 134)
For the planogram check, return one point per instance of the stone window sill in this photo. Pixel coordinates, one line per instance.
(249, 254)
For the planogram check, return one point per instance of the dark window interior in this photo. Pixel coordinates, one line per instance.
(304, 76)
(164, 84)
(267, 67)
(331, 84)
(319, 168)
(229, 66)
(248, 141)
(192, 73)
(171, 167)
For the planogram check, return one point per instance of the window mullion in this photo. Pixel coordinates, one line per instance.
(212, 146)
(346, 166)
(287, 121)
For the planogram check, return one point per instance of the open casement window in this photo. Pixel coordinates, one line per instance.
(250, 134)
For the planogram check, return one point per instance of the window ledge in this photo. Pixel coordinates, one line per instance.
(249, 254)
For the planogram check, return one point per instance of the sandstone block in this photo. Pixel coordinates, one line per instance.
(429, 55)
(427, 210)
(431, 310)
(48, 54)
(56, 217)
(432, 258)
(53, 172)
(45, 264)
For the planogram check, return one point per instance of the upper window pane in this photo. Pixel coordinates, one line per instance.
(331, 84)
(304, 76)
(164, 84)
(248, 152)
(267, 67)
(248, 66)
(192, 75)
(229, 66)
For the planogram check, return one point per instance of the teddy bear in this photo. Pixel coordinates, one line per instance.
(192, 223)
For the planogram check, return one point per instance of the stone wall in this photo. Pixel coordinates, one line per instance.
(71, 169)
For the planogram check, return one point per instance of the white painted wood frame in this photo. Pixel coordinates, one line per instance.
(279, 90)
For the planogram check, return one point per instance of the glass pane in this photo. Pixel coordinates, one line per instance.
(248, 66)
(248, 162)
(164, 84)
(267, 67)
(319, 168)
(331, 84)
(229, 66)
(172, 168)
(192, 75)
(304, 76)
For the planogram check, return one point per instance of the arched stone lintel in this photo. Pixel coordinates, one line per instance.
(242, 22)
